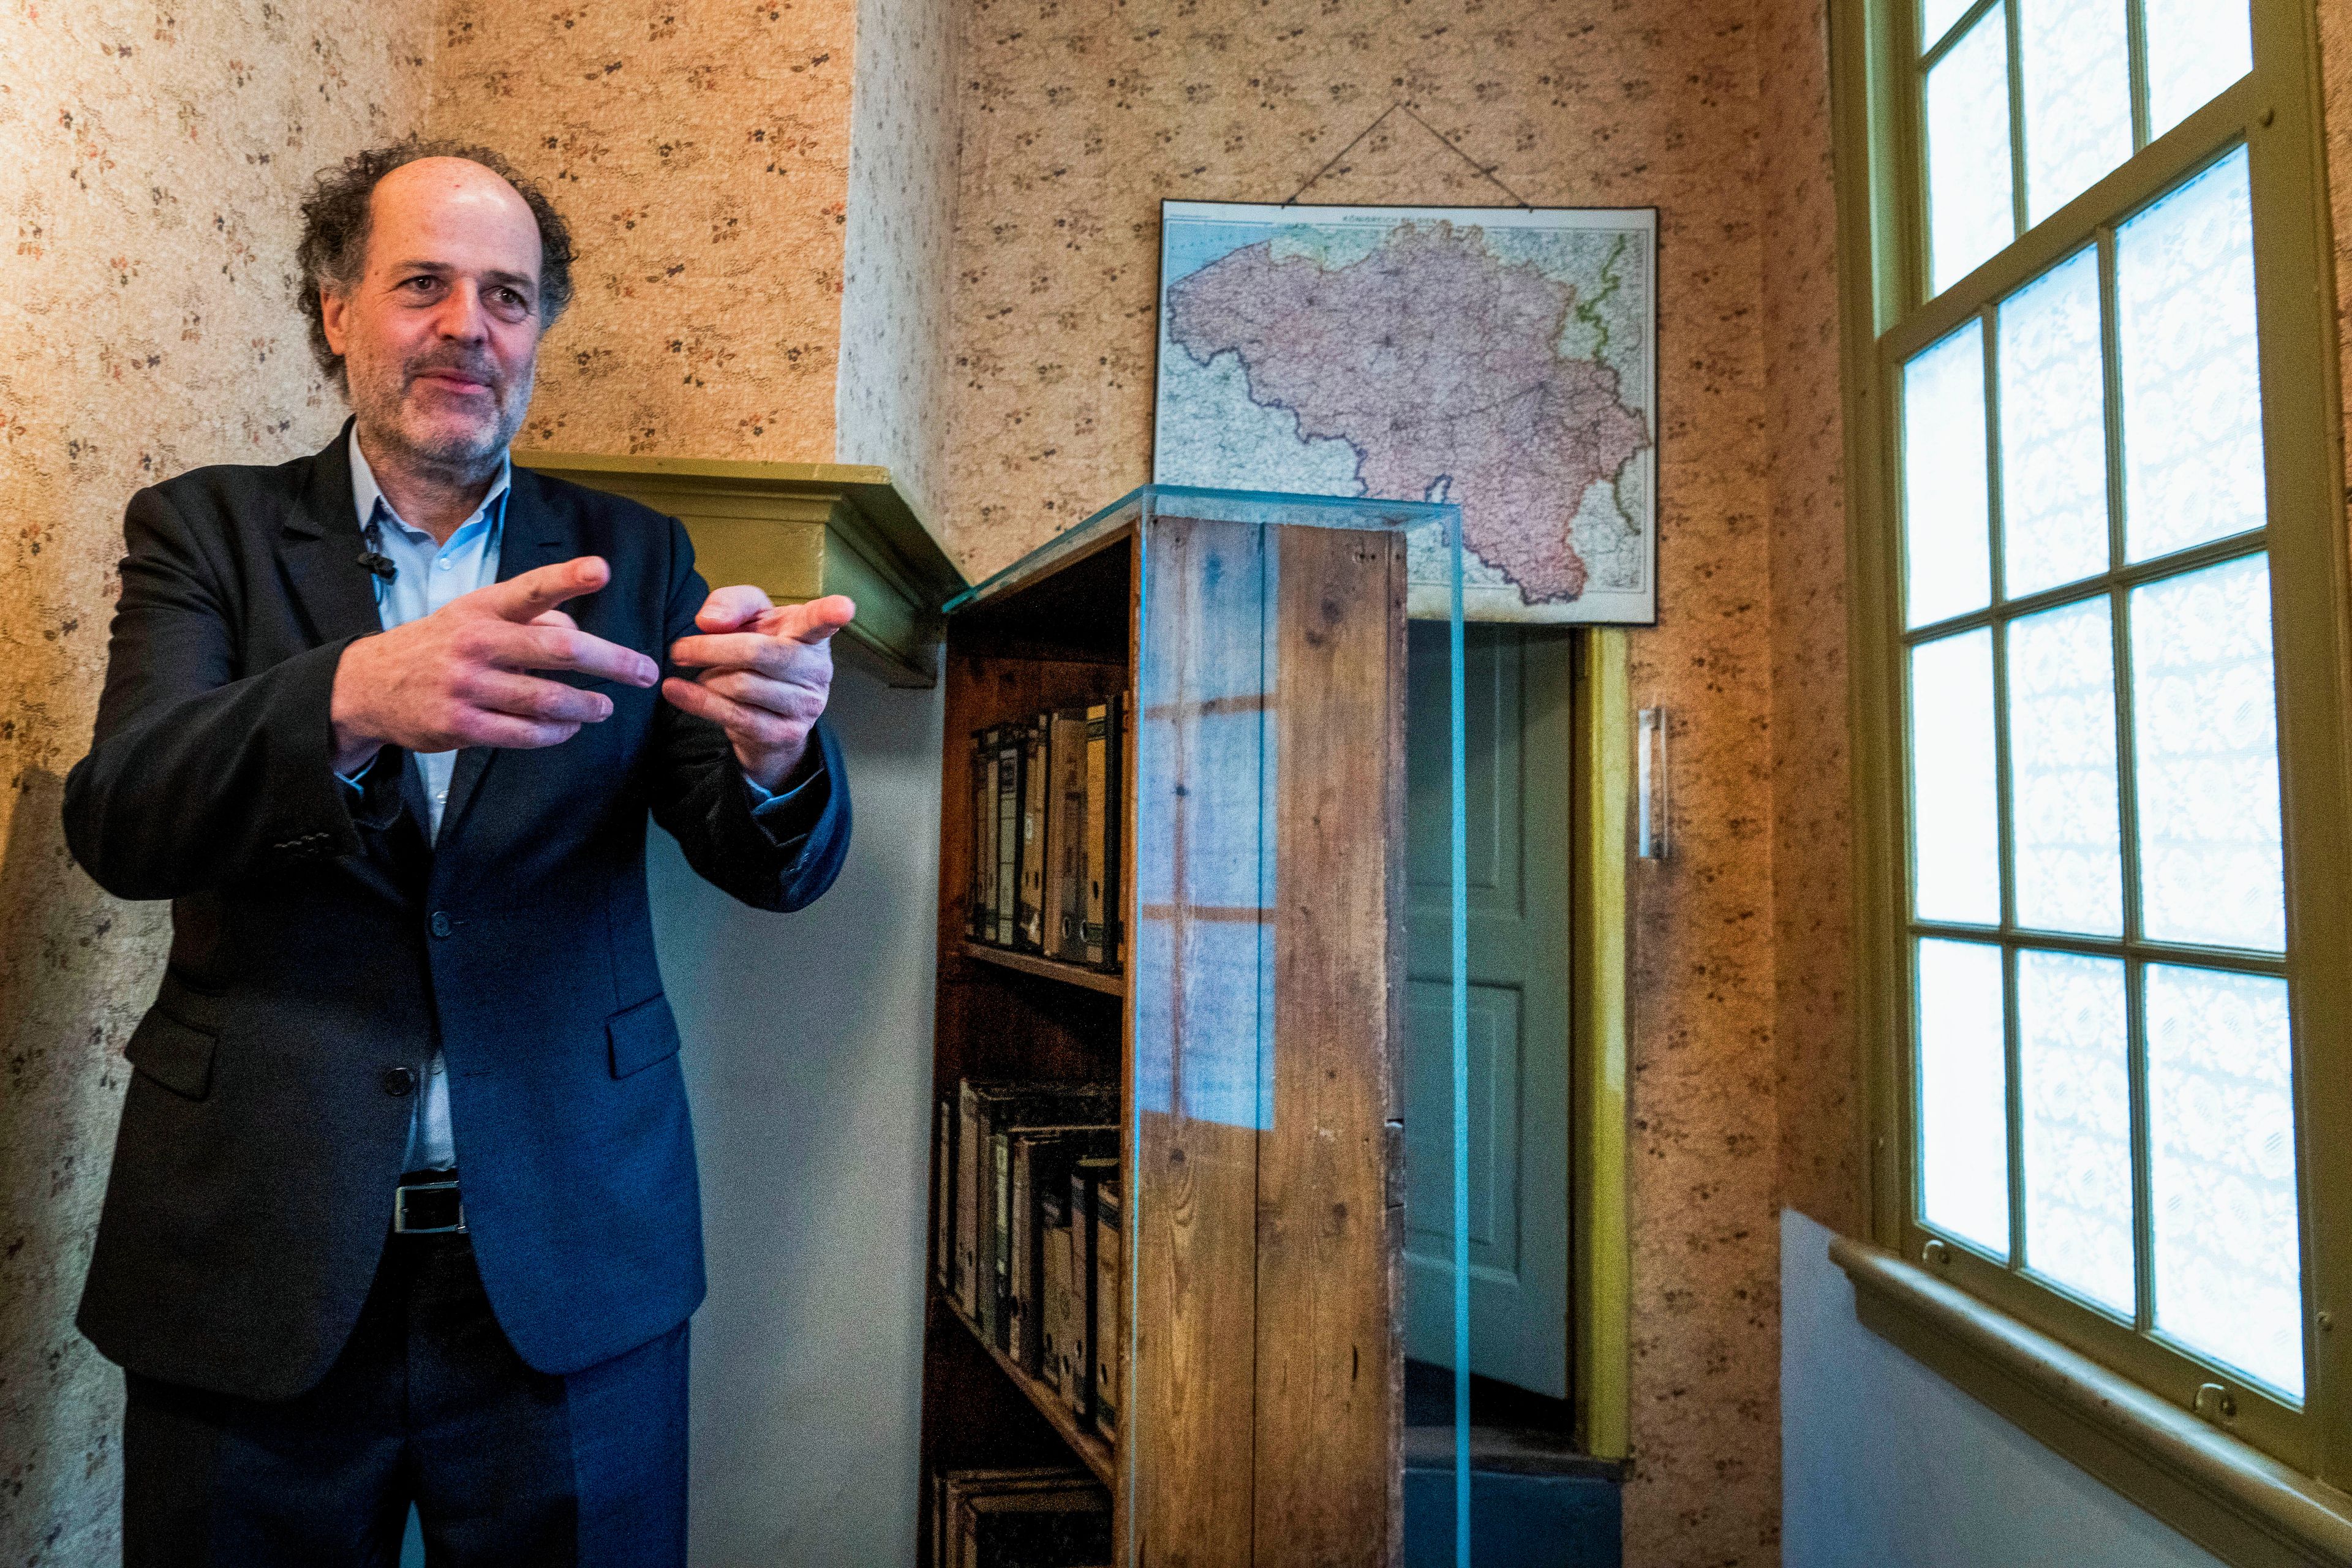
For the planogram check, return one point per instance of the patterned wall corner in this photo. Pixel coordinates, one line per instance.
(701, 153)
(891, 406)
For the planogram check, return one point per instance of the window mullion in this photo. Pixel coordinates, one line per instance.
(2017, 206)
(2136, 45)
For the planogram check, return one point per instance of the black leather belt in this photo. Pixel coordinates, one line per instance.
(426, 1203)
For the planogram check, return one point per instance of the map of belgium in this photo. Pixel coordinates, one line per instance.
(1438, 358)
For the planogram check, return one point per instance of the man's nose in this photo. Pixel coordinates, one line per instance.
(461, 315)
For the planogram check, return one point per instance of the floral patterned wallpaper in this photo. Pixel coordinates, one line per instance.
(701, 153)
(153, 155)
(891, 406)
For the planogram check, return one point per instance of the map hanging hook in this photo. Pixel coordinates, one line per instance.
(1485, 172)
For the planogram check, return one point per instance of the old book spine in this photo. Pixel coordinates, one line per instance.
(1108, 1329)
(1008, 833)
(995, 1280)
(1021, 1304)
(966, 1198)
(979, 917)
(1035, 784)
(1101, 812)
(1065, 830)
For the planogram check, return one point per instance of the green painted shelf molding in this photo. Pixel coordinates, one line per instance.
(800, 531)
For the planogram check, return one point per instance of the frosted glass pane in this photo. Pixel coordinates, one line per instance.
(2075, 1088)
(1968, 213)
(2054, 431)
(2205, 723)
(2195, 48)
(1955, 823)
(2063, 814)
(1963, 1094)
(2075, 60)
(1946, 520)
(2220, 1114)
(2191, 389)
(1936, 17)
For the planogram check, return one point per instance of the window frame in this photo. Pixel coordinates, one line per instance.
(1887, 314)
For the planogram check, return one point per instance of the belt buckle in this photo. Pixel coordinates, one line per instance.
(400, 1225)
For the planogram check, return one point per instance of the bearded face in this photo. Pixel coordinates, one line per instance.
(440, 335)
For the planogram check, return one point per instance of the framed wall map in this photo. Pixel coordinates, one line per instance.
(1501, 358)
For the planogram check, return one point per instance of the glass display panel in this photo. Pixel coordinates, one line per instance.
(1946, 536)
(1955, 821)
(2192, 410)
(2221, 1111)
(2074, 61)
(1970, 214)
(2063, 814)
(2195, 48)
(1963, 1093)
(1269, 744)
(2073, 1072)
(2205, 728)
(2053, 430)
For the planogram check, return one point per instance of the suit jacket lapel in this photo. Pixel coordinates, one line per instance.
(531, 536)
(320, 548)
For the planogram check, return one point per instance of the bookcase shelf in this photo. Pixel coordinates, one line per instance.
(1100, 980)
(1092, 1451)
(1255, 649)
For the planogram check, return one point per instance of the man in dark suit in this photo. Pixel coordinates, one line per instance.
(404, 1204)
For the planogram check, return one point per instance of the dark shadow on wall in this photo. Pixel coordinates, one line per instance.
(77, 969)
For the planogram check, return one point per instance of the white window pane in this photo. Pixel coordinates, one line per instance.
(2220, 1109)
(2193, 409)
(1955, 821)
(2075, 60)
(2075, 1088)
(2205, 726)
(1936, 17)
(2053, 430)
(1947, 519)
(1963, 1094)
(2195, 48)
(2063, 814)
(1968, 213)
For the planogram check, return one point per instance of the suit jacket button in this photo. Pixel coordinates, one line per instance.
(399, 1081)
(440, 923)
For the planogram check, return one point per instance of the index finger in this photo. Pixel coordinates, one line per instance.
(812, 623)
(527, 595)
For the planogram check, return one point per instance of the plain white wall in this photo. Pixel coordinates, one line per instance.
(808, 1061)
(1885, 1465)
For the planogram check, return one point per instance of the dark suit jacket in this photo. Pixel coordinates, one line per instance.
(320, 942)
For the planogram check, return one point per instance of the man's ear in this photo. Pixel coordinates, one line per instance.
(331, 317)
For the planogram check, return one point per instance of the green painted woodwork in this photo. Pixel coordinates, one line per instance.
(800, 531)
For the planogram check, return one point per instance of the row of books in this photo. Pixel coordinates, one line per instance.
(1028, 1245)
(1046, 834)
(1031, 1518)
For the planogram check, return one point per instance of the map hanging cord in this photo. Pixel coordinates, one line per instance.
(1483, 173)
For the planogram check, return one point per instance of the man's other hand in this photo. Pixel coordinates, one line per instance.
(766, 671)
(455, 678)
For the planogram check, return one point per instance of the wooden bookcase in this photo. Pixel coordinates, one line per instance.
(1258, 645)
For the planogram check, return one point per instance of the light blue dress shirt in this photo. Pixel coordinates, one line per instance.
(427, 576)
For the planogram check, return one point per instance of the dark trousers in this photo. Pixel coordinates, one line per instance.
(427, 1403)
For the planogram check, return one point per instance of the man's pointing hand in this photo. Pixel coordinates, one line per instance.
(455, 677)
(765, 673)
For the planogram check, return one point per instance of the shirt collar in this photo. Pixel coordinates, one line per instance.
(366, 492)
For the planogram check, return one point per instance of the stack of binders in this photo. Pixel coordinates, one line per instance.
(1045, 818)
(1027, 1245)
(1028, 1517)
